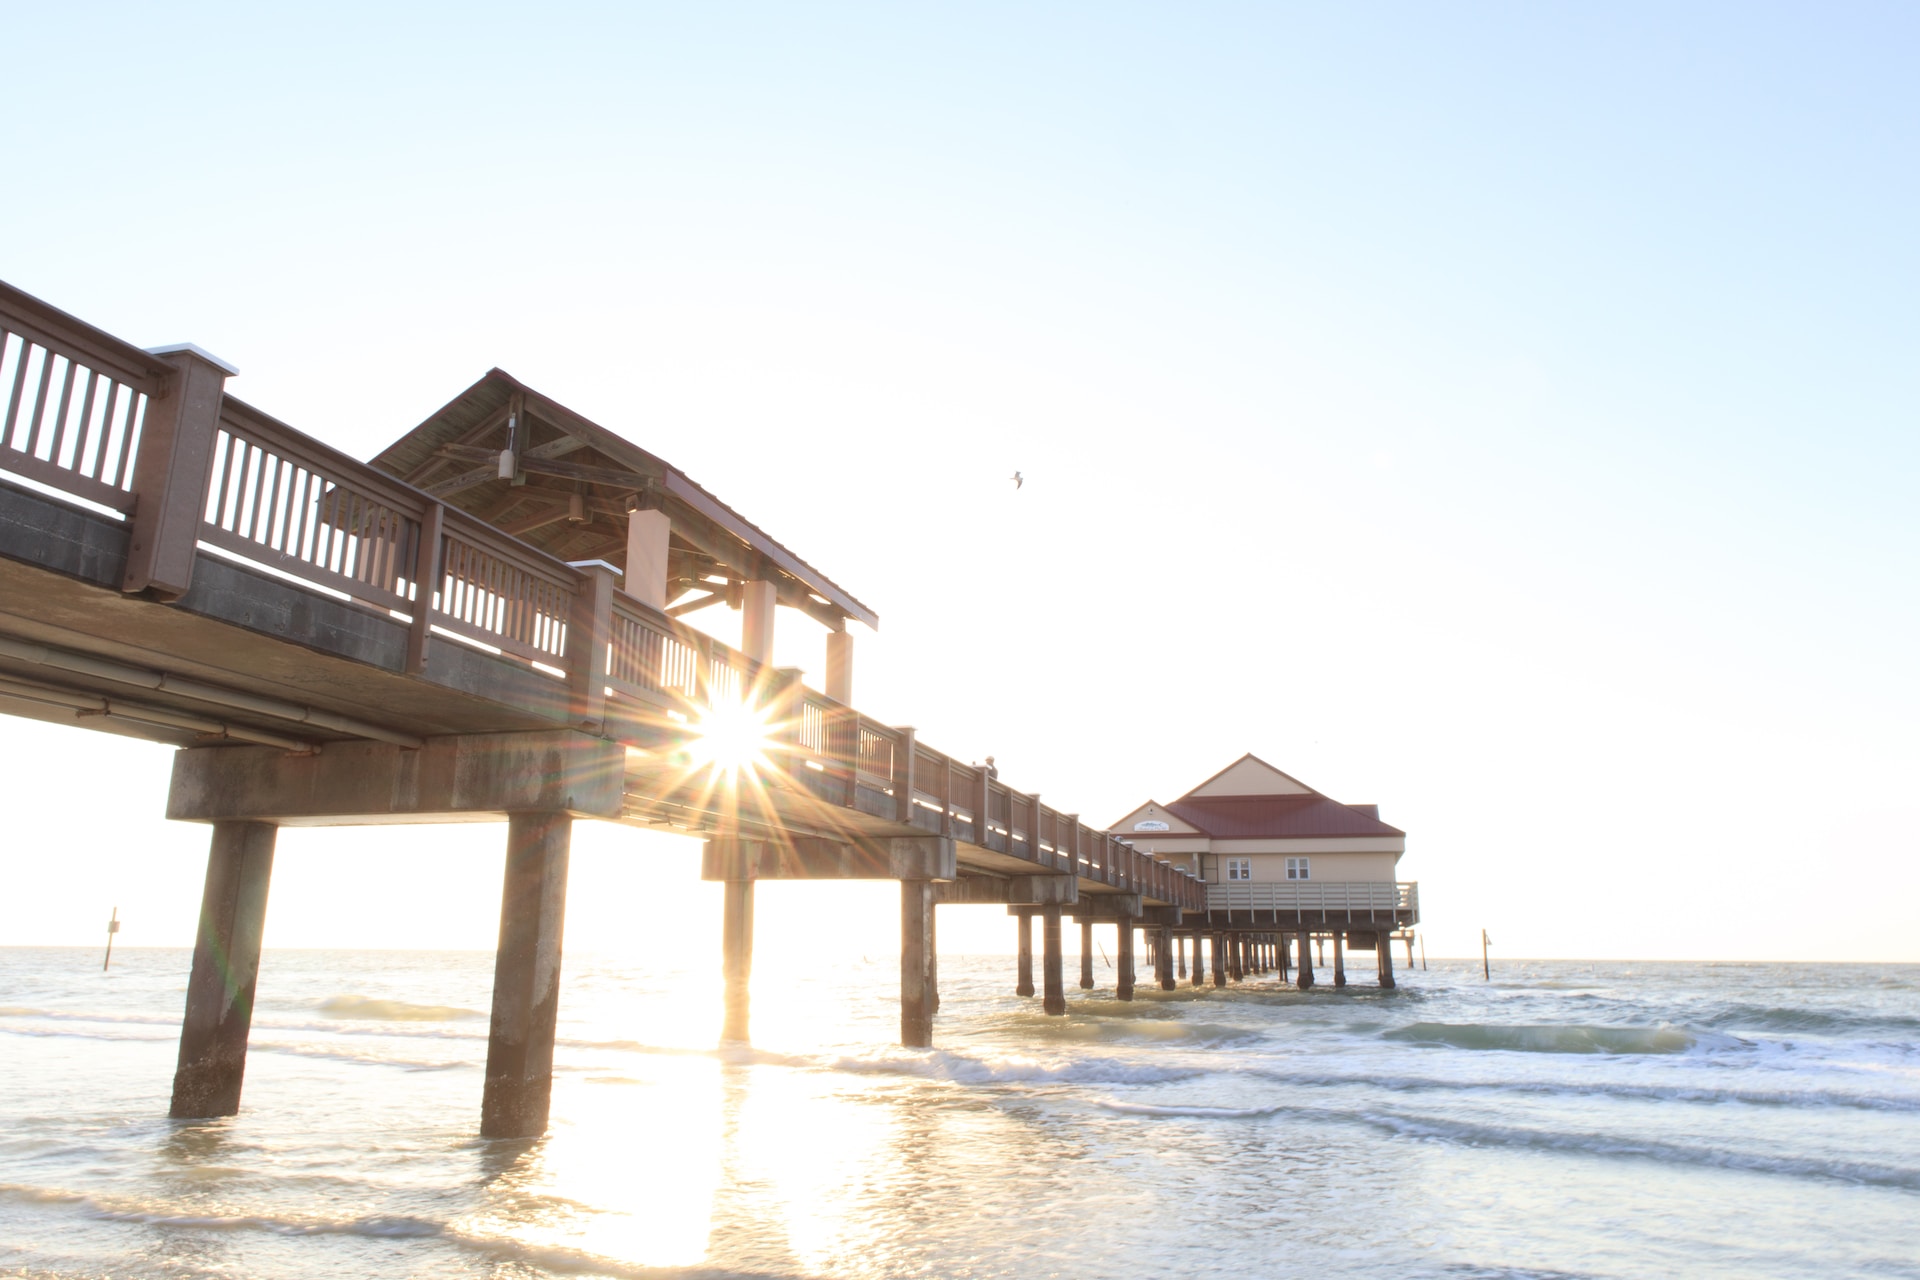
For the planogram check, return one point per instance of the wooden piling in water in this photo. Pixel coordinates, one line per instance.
(1023, 984)
(1384, 946)
(1123, 960)
(1054, 991)
(1305, 979)
(526, 976)
(1086, 955)
(918, 994)
(736, 957)
(226, 964)
(1219, 949)
(1339, 959)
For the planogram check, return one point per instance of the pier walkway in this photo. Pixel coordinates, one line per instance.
(481, 625)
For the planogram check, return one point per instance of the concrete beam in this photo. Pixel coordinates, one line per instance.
(1108, 907)
(967, 890)
(1042, 891)
(813, 858)
(471, 777)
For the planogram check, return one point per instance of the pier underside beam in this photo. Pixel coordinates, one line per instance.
(526, 977)
(816, 858)
(226, 964)
(468, 777)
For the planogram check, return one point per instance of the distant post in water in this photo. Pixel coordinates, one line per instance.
(1486, 971)
(113, 927)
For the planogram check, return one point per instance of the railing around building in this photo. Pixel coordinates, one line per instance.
(76, 399)
(1347, 899)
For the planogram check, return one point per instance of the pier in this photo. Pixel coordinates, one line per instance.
(483, 624)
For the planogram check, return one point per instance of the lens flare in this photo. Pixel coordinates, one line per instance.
(731, 738)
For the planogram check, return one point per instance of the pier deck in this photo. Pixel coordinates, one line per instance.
(331, 645)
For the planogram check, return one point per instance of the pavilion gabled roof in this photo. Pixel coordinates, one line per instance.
(574, 483)
(1250, 799)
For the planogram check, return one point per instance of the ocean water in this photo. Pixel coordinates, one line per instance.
(1565, 1119)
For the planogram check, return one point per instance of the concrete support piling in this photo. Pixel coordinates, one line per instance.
(736, 957)
(1305, 982)
(1053, 998)
(918, 994)
(1024, 985)
(1163, 957)
(1280, 954)
(933, 951)
(1086, 955)
(1123, 986)
(526, 977)
(1339, 959)
(1179, 956)
(1383, 946)
(226, 965)
(1199, 962)
(1219, 959)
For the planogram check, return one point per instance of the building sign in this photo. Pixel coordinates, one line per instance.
(1151, 825)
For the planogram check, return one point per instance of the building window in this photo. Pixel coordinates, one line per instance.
(1239, 868)
(1297, 869)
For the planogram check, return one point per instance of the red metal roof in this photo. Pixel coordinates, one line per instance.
(1291, 817)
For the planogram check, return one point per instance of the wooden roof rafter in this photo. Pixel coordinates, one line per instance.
(455, 454)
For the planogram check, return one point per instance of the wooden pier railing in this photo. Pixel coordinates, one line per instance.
(76, 404)
(1350, 898)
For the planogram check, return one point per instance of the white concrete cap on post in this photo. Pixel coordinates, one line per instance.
(188, 348)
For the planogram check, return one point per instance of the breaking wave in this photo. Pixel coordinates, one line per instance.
(1547, 1039)
(369, 1009)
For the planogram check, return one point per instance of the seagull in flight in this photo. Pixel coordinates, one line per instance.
(1018, 480)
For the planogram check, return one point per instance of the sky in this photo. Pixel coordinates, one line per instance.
(1501, 413)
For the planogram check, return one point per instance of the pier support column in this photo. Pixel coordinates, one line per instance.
(1199, 961)
(1179, 956)
(526, 977)
(1219, 949)
(1306, 961)
(1086, 955)
(736, 958)
(226, 963)
(1053, 997)
(1384, 947)
(1024, 985)
(1280, 955)
(1123, 959)
(1340, 959)
(1168, 941)
(933, 949)
(917, 991)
